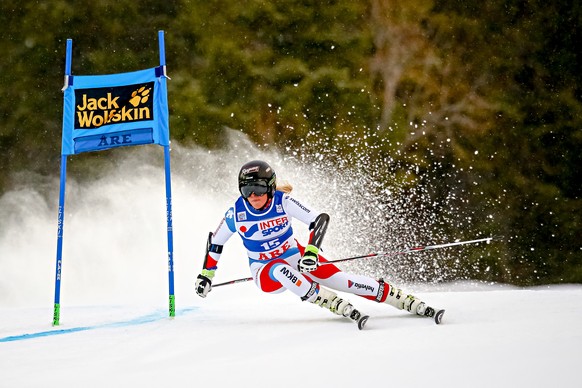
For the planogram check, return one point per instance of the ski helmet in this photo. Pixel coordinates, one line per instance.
(257, 177)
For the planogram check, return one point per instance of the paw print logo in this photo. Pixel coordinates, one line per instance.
(140, 96)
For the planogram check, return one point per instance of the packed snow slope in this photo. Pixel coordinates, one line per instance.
(115, 331)
(493, 337)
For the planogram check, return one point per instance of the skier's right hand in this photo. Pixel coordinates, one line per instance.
(204, 282)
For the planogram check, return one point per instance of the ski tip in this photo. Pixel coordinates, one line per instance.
(362, 321)
(438, 317)
(359, 318)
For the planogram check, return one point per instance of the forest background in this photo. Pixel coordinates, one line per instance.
(480, 100)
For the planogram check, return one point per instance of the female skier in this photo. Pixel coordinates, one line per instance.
(262, 217)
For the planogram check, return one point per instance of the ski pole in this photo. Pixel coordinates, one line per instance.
(409, 250)
(378, 254)
(241, 280)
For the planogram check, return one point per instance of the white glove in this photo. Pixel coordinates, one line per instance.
(204, 282)
(310, 259)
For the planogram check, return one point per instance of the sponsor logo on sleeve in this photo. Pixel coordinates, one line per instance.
(301, 206)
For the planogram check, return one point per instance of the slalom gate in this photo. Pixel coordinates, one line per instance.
(108, 111)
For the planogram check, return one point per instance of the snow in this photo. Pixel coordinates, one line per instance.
(115, 331)
(239, 336)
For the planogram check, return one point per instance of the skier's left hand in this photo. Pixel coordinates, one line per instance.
(310, 259)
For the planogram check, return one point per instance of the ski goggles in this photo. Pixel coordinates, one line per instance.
(257, 187)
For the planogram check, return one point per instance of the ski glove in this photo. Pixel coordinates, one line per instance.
(204, 282)
(310, 259)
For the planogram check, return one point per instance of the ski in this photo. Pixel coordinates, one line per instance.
(436, 314)
(359, 318)
(362, 321)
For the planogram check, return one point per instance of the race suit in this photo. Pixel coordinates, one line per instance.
(273, 251)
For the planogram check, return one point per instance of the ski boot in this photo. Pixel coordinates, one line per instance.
(329, 300)
(395, 297)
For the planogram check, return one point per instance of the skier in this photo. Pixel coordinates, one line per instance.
(262, 217)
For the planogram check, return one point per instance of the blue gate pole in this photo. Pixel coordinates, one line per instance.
(61, 212)
(172, 307)
(60, 227)
(172, 300)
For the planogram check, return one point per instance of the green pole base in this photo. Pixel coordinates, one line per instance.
(56, 314)
(172, 305)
